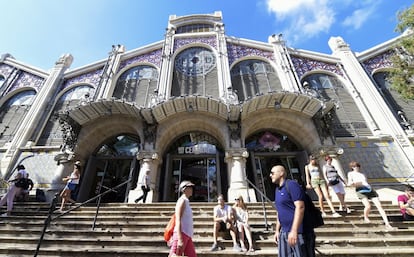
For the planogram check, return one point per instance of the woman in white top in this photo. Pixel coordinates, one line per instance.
(316, 181)
(365, 192)
(72, 182)
(336, 182)
(182, 242)
(242, 221)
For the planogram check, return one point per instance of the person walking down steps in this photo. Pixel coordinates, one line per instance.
(146, 181)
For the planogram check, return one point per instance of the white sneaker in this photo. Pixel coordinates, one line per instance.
(336, 215)
(4, 215)
(323, 214)
(348, 210)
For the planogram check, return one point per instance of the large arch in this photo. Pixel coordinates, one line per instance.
(95, 132)
(297, 126)
(110, 165)
(186, 122)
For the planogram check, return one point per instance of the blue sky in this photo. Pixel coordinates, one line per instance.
(38, 32)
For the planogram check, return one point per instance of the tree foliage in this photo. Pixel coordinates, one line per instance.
(402, 74)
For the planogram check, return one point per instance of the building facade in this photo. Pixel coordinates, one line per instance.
(205, 106)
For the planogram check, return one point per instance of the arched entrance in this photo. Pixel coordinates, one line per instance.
(113, 162)
(269, 148)
(197, 157)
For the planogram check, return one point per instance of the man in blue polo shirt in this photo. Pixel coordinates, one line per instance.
(294, 239)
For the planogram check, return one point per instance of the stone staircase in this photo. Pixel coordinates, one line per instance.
(137, 230)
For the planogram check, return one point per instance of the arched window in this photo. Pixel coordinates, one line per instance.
(118, 146)
(194, 28)
(254, 77)
(348, 120)
(52, 134)
(195, 73)
(137, 84)
(268, 141)
(12, 113)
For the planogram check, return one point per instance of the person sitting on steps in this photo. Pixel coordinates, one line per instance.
(242, 221)
(223, 221)
(406, 203)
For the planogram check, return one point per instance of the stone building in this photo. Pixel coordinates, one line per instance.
(205, 106)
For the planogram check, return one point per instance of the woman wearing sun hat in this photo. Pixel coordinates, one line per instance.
(182, 242)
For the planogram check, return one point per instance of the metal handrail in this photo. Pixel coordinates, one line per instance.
(52, 207)
(264, 197)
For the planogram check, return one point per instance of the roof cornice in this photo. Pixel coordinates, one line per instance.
(9, 60)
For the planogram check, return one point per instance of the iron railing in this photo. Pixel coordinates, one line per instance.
(52, 207)
(264, 199)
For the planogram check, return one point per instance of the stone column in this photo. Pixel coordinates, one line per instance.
(236, 166)
(148, 161)
(284, 69)
(107, 83)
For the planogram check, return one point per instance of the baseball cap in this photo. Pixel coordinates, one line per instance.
(185, 184)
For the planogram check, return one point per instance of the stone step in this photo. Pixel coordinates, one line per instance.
(202, 252)
(137, 230)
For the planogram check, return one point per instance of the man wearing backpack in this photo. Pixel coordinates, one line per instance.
(294, 238)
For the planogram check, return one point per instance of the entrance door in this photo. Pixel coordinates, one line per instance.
(261, 164)
(103, 174)
(201, 170)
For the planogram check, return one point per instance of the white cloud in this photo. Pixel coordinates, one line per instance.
(305, 19)
(359, 17)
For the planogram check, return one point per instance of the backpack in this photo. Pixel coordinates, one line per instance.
(312, 217)
(169, 229)
(22, 183)
(40, 195)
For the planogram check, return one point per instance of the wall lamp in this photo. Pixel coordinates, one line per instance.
(190, 107)
(277, 105)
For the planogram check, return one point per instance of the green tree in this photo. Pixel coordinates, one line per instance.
(402, 75)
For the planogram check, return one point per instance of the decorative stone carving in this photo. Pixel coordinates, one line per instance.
(70, 131)
(234, 129)
(323, 124)
(338, 43)
(150, 131)
(65, 60)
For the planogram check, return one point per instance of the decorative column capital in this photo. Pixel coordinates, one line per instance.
(233, 154)
(148, 156)
(333, 151)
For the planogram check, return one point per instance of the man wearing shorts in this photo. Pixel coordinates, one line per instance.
(223, 221)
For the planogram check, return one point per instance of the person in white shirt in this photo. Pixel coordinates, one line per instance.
(224, 220)
(14, 189)
(365, 192)
(242, 221)
(72, 182)
(336, 182)
(182, 242)
(145, 186)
